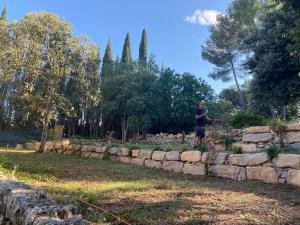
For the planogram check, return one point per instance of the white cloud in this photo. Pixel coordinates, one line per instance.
(203, 17)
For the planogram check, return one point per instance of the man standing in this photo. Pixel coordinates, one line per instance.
(201, 117)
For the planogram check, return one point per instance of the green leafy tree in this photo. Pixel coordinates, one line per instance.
(126, 53)
(4, 15)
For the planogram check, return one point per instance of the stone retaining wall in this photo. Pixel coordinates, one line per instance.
(22, 205)
(253, 166)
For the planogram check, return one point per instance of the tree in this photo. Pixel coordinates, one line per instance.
(107, 67)
(231, 95)
(276, 82)
(143, 50)
(126, 53)
(222, 50)
(4, 15)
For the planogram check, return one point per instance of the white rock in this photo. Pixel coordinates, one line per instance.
(124, 159)
(153, 164)
(292, 137)
(293, 177)
(227, 171)
(145, 154)
(175, 166)
(123, 152)
(255, 130)
(287, 161)
(114, 151)
(249, 147)
(194, 169)
(173, 155)
(248, 159)
(293, 127)
(260, 137)
(159, 155)
(266, 174)
(191, 156)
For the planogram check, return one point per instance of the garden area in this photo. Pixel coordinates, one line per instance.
(145, 196)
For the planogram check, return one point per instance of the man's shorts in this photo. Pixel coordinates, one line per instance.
(200, 132)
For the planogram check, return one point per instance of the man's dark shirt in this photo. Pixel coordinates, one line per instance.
(201, 121)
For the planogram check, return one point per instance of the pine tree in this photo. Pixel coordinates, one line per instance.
(126, 54)
(107, 68)
(4, 15)
(143, 48)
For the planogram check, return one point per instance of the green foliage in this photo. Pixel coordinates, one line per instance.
(243, 119)
(280, 129)
(273, 150)
(236, 148)
(107, 67)
(126, 53)
(202, 148)
(143, 50)
(4, 15)
(158, 148)
(227, 142)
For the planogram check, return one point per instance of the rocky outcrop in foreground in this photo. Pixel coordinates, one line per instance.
(22, 205)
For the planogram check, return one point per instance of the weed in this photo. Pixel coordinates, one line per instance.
(237, 148)
(273, 150)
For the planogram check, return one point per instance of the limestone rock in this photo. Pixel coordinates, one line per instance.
(124, 159)
(219, 147)
(249, 147)
(194, 169)
(175, 166)
(292, 137)
(294, 146)
(145, 154)
(266, 174)
(137, 161)
(260, 137)
(248, 159)
(153, 164)
(114, 151)
(159, 155)
(204, 157)
(227, 171)
(135, 153)
(173, 155)
(114, 158)
(293, 127)
(287, 161)
(123, 152)
(256, 130)
(191, 156)
(218, 158)
(293, 177)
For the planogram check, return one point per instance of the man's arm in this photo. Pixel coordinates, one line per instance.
(198, 116)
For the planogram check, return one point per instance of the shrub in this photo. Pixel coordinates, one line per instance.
(243, 119)
(279, 128)
(202, 148)
(237, 148)
(158, 148)
(227, 142)
(133, 147)
(273, 150)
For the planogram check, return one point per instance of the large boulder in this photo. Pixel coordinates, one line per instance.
(265, 174)
(114, 150)
(248, 159)
(175, 166)
(293, 177)
(293, 127)
(191, 156)
(292, 137)
(194, 169)
(227, 171)
(287, 161)
(173, 155)
(159, 155)
(137, 161)
(135, 153)
(218, 158)
(98, 149)
(145, 154)
(249, 147)
(123, 152)
(153, 164)
(124, 159)
(260, 137)
(257, 130)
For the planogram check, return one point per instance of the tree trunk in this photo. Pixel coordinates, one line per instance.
(241, 100)
(283, 113)
(273, 112)
(124, 128)
(45, 131)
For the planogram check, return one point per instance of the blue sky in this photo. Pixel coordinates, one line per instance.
(175, 39)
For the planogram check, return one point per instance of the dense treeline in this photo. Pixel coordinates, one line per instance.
(48, 76)
(259, 39)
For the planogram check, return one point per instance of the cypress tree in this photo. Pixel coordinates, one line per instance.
(107, 68)
(126, 54)
(4, 15)
(143, 48)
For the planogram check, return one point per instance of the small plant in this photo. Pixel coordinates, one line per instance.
(273, 150)
(202, 148)
(183, 137)
(237, 148)
(244, 119)
(168, 148)
(133, 147)
(279, 128)
(158, 148)
(227, 142)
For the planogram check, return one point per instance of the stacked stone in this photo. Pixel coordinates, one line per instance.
(20, 204)
(292, 137)
(256, 139)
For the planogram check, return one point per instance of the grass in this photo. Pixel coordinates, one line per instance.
(145, 196)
